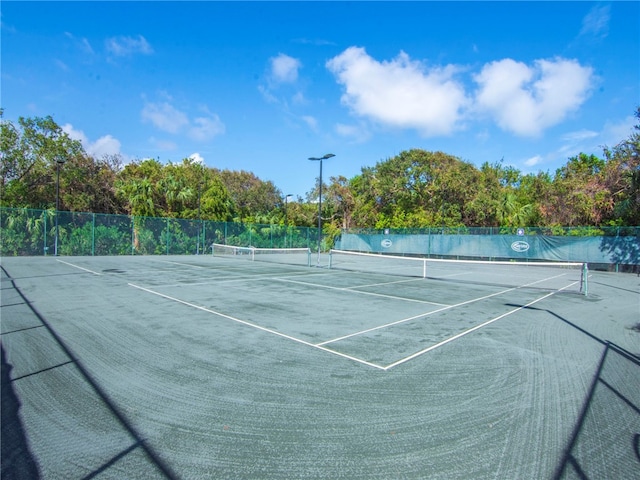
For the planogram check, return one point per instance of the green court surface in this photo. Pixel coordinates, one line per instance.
(208, 367)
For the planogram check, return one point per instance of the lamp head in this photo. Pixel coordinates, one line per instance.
(328, 155)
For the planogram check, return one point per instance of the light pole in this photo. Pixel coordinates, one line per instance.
(286, 218)
(59, 162)
(328, 155)
(199, 217)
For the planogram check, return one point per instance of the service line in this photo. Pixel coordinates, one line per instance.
(353, 290)
(77, 266)
(472, 329)
(258, 327)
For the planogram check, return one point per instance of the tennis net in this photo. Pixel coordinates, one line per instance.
(292, 256)
(551, 276)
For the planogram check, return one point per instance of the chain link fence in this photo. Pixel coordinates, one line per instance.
(43, 232)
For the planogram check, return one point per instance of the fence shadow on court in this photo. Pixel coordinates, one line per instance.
(605, 441)
(24, 464)
(16, 459)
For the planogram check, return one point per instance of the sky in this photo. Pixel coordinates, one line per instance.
(263, 86)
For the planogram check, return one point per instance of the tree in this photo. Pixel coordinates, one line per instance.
(137, 186)
(415, 189)
(250, 195)
(29, 155)
(623, 176)
(578, 196)
(340, 202)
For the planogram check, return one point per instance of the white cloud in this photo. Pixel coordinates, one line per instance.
(525, 100)
(105, 145)
(124, 46)
(535, 160)
(399, 93)
(164, 116)
(205, 128)
(299, 99)
(61, 65)
(284, 69)
(162, 144)
(596, 22)
(616, 132)
(197, 158)
(358, 133)
(311, 122)
(267, 95)
(81, 43)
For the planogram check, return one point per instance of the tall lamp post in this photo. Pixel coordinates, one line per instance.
(199, 217)
(59, 162)
(328, 155)
(286, 218)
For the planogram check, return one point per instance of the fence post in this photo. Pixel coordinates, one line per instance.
(93, 235)
(44, 234)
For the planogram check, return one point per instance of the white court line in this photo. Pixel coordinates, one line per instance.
(185, 264)
(473, 329)
(351, 289)
(386, 283)
(321, 346)
(244, 278)
(77, 266)
(253, 325)
(447, 307)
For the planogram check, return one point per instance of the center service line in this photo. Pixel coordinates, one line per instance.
(473, 329)
(352, 289)
(404, 320)
(264, 329)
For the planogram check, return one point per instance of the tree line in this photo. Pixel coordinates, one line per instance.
(414, 189)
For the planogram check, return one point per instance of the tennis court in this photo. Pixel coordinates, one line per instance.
(226, 366)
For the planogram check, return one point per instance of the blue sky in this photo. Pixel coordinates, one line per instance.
(262, 86)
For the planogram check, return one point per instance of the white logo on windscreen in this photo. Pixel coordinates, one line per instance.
(386, 243)
(520, 246)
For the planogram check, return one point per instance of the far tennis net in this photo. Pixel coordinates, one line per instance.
(292, 256)
(551, 276)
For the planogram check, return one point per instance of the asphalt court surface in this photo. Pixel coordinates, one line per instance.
(378, 320)
(226, 368)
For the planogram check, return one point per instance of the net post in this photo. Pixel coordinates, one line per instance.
(424, 268)
(585, 279)
(308, 257)
(253, 254)
(330, 258)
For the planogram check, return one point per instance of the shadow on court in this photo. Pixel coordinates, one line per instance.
(605, 441)
(17, 460)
